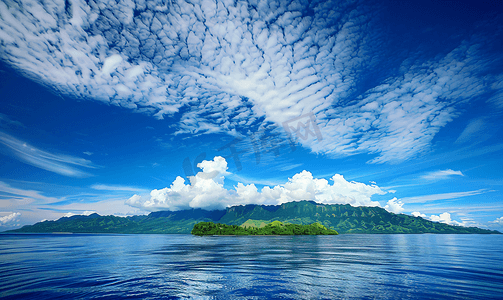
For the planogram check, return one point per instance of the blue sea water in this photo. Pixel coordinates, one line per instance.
(86, 266)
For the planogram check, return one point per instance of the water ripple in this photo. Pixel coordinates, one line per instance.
(188, 267)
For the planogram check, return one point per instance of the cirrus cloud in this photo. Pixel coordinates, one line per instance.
(58, 163)
(242, 64)
(443, 196)
(442, 174)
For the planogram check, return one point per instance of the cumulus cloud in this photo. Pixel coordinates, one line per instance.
(394, 205)
(237, 65)
(498, 224)
(206, 190)
(84, 213)
(441, 174)
(442, 218)
(418, 214)
(58, 163)
(9, 218)
(498, 221)
(446, 219)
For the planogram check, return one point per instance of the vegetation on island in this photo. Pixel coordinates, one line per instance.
(339, 217)
(273, 228)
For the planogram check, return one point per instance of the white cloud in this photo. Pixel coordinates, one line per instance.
(498, 221)
(214, 168)
(58, 163)
(111, 63)
(497, 97)
(394, 205)
(84, 213)
(289, 167)
(418, 214)
(22, 196)
(474, 207)
(207, 191)
(233, 65)
(36, 207)
(204, 191)
(444, 196)
(496, 224)
(442, 218)
(472, 132)
(9, 218)
(441, 174)
(446, 219)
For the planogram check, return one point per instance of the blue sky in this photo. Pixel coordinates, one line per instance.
(140, 106)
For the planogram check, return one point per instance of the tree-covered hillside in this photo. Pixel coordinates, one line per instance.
(342, 218)
(156, 222)
(273, 228)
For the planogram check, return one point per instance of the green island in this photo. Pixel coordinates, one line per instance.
(273, 228)
(343, 218)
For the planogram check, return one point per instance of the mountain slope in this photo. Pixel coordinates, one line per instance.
(342, 218)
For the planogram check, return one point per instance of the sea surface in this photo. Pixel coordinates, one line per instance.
(104, 266)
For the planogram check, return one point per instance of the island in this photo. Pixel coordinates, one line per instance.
(273, 228)
(343, 218)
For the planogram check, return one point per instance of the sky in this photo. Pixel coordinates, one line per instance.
(128, 107)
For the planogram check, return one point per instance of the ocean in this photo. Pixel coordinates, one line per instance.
(351, 266)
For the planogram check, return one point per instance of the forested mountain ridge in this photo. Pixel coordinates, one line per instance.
(342, 218)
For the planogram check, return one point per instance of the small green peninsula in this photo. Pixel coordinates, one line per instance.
(273, 228)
